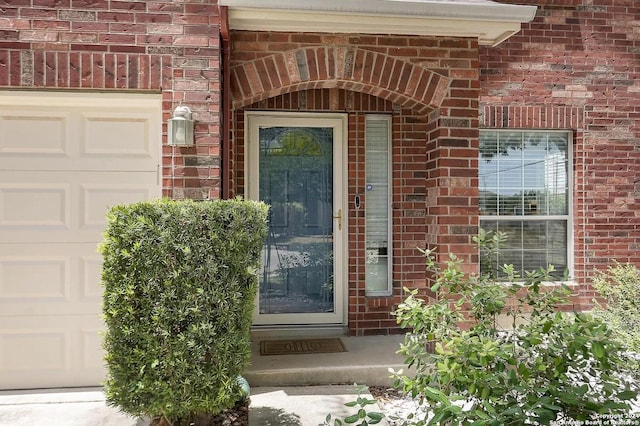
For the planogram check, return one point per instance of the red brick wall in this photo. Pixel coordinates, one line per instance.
(576, 66)
(430, 86)
(153, 46)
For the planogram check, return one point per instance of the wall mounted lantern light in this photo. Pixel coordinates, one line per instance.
(180, 127)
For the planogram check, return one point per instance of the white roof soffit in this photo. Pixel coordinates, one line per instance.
(488, 21)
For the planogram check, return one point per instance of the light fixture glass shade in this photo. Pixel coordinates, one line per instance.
(180, 127)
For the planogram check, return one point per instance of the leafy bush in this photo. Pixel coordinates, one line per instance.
(551, 366)
(363, 417)
(620, 287)
(180, 280)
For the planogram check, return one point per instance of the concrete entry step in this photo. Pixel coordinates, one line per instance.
(366, 361)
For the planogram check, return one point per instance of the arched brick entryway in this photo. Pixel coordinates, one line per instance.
(404, 83)
(429, 88)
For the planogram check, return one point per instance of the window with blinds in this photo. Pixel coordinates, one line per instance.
(525, 193)
(378, 205)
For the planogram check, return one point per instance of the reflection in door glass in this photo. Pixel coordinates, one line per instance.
(296, 180)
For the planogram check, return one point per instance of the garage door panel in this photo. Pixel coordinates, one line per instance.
(117, 135)
(25, 132)
(44, 349)
(91, 345)
(49, 279)
(35, 205)
(63, 135)
(32, 278)
(51, 351)
(97, 199)
(90, 271)
(66, 206)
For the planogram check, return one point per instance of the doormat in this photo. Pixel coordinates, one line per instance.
(301, 346)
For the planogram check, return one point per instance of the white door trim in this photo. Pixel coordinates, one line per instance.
(339, 122)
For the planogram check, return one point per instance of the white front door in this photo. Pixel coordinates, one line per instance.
(295, 164)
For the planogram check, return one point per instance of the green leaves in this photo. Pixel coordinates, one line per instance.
(627, 395)
(362, 416)
(550, 365)
(597, 348)
(365, 418)
(178, 300)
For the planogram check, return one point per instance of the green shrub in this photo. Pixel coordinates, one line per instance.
(550, 366)
(620, 287)
(179, 284)
(363, 417)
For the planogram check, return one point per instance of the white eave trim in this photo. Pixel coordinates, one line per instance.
(488, 21)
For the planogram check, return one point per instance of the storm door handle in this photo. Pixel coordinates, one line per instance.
(339, 217)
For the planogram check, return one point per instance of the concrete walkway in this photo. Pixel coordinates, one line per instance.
(286, 390)
(282, 406)
(60, 407)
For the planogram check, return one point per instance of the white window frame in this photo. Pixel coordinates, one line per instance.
(569, 217)
(388, 291)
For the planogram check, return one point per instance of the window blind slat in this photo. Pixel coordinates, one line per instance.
(377, 224)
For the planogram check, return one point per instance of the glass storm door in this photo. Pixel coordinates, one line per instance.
(295, 166)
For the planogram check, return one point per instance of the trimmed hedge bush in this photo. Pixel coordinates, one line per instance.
(180, 281)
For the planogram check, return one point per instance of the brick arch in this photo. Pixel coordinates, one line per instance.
(399, 81)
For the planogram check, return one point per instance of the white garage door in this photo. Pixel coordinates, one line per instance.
(64, 159)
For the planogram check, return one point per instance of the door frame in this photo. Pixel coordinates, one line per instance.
(339, 122)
